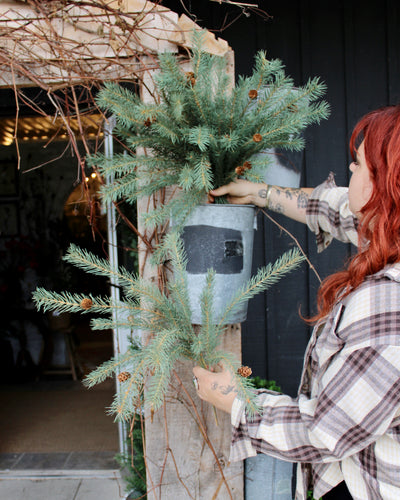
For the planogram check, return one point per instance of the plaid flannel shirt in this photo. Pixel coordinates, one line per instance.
(345, 422)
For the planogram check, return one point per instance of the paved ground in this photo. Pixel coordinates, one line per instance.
(60, 476)
(63, 488)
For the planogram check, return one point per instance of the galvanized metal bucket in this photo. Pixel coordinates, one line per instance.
(219, 237)
(268, 478)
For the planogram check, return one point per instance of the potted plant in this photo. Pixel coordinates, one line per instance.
(162, 311)
(202, 132)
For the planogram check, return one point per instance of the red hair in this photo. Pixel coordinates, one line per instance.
(379, 229)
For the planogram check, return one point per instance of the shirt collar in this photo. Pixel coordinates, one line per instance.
(392, 271)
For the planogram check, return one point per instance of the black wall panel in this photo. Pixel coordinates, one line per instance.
(354, 46)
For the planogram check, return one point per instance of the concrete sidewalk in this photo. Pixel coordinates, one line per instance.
(62, 485)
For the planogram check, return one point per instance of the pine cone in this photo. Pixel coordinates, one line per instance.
(253, 94)
(247, 165)
(86, 303)
(123, 376)
(147, 123)
(245, 371)
(257, 137)
(239, 170)
(190, 77)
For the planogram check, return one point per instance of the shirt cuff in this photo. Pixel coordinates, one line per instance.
(241, 444)
(323, 238)
(238, 409)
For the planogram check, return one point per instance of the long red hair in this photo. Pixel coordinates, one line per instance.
(379, 229)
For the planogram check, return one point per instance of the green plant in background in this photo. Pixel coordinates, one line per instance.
(132, 462)
(310, 496)
(204, 132)
(262, 383)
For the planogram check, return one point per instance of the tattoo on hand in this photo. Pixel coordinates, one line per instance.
(224, 389)
(227, 389)
(262, 193)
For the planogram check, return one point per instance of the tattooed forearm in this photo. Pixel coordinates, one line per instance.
(287, 192)
(277, 207)
(291, 194)
(302, 199)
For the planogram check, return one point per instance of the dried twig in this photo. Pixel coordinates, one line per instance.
(295, 240)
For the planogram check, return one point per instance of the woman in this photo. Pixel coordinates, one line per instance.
(343, 429)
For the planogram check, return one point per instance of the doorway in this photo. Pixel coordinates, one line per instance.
(49, 419)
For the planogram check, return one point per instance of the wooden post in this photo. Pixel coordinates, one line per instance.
(186, 450)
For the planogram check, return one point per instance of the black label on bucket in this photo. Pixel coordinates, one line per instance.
(213, 247)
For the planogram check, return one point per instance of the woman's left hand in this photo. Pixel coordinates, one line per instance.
(218, 388)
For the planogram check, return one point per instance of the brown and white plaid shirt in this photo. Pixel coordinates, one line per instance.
(345, 422)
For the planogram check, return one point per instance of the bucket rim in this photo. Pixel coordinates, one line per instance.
(230, 205)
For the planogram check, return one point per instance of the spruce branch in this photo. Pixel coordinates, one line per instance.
(126, 401)
(264, 278)
(93, 264)
(70, 302)
(110, 368)
(109, 324)
(208, 337)
(178, 286)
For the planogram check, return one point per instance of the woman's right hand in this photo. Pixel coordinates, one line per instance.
(291, 202)
(241, 192)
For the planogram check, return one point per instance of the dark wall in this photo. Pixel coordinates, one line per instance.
(354, 46)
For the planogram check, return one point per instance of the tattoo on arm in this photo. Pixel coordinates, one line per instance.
(302, 199)
(290, 194)
(277, 208)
